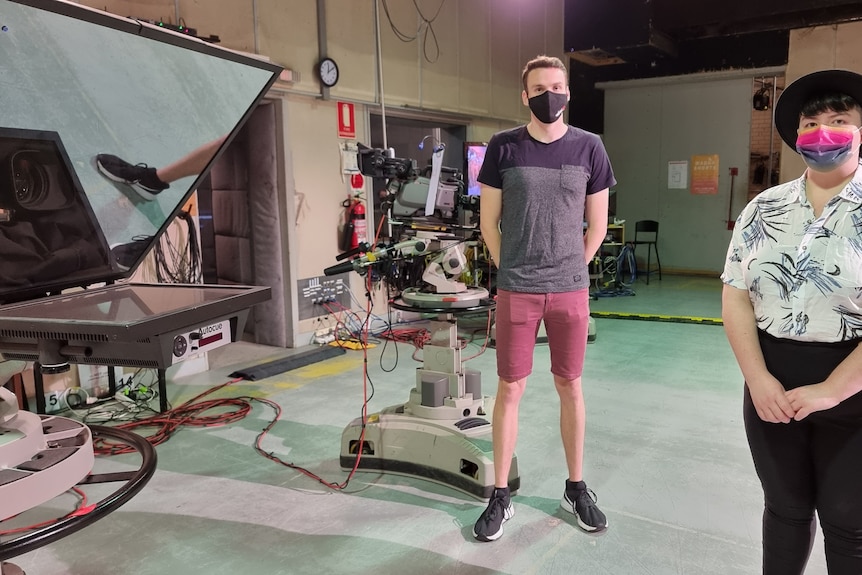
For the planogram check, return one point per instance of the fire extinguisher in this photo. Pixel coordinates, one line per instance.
(355, 229)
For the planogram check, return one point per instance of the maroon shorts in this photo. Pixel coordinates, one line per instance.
(566, 317)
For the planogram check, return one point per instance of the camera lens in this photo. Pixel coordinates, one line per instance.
(29, 179)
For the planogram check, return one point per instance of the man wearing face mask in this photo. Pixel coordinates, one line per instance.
(792, 310)
(540, 183)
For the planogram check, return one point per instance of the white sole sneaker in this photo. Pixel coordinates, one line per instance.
(567, 505)
(141, 189)
(507, 514)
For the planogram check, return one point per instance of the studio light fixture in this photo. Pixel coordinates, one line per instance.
(760, 100)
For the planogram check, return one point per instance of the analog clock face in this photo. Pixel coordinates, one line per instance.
(328, 72)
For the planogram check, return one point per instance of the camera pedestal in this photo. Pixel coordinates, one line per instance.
(441, 433)
(10, 569)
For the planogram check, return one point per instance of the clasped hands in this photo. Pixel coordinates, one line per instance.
(776, 405)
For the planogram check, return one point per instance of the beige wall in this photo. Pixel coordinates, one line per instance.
(813, 49)
(471, 74)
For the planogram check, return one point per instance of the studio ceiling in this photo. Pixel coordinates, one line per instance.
(638, 38)
(715, 18)
(611, 40)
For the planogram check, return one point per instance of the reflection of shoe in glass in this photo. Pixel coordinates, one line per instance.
(581, 502)
(489, 527)
(141, 177)
(128, 254)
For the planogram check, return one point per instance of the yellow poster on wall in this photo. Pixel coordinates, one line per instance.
(704, 174)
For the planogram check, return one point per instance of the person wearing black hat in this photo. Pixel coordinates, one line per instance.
(792, 311)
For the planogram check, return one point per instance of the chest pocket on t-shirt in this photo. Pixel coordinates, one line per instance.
(574, 179)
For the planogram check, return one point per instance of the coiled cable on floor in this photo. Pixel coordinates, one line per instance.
(614, 267)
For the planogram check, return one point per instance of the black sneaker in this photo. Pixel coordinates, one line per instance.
(489, 527)
(127, 254)
(141, 177)
(581, 502)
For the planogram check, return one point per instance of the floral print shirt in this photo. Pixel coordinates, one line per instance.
(803, 273)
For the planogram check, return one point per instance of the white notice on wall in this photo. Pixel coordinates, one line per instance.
(677, 175)
(349, 161)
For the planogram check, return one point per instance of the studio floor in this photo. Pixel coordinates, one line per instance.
(665, 453)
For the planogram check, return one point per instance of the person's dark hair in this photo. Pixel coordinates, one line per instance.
(826, 101)
(542, 62)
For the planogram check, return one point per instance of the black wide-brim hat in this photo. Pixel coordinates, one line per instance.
(793, 97)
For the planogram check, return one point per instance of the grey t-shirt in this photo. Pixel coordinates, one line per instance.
(544, 194)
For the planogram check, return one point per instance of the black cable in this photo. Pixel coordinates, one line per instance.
(398, 33)
(181, 264)
(388, 334)
(430, 31)
(614, 267)
(421, 15)
(425, 23)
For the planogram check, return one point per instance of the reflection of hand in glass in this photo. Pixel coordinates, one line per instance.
(149, 182)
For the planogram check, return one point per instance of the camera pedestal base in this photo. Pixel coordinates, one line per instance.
(10, 569)
(455, 453)
(441, 433)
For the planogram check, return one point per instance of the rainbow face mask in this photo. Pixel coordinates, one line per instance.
(824, 148)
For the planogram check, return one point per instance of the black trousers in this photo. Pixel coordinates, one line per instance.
(806, 465)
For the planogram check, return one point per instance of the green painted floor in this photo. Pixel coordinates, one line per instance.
(666, 455)
(682, 297)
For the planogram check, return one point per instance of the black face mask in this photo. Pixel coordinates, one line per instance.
(548, 106)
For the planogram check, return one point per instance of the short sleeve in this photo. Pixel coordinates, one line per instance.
(733, 274)
(601, 172)
(489, 174)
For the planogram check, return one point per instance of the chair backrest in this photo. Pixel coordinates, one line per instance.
(647, 227)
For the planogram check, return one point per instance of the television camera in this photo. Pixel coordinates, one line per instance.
(432, 213)
(406, 196)
(378, 163)
(441, 433)
(31, 179)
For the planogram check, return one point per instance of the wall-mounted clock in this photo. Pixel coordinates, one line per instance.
(328, 70)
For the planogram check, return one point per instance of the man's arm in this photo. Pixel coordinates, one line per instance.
(596, 214)
(490, 211)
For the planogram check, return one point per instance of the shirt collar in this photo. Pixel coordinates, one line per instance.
(852, 192)
(797, 190)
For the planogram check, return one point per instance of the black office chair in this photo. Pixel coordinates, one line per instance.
(650, 229)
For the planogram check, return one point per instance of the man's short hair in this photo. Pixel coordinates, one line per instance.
(542, 62)
(828, 101)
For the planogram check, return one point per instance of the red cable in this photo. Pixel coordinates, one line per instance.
(81, 509)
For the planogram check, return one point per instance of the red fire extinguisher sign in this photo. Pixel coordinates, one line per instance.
(346, 125)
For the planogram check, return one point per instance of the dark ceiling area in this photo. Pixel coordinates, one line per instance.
(712, 18)
(627, 39)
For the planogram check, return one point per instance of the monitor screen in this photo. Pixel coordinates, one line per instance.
(86, 93)
(475, 154)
